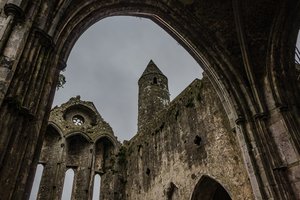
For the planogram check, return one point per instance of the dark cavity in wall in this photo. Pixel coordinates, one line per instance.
(197, 140)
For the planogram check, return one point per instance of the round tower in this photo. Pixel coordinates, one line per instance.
(153, 93)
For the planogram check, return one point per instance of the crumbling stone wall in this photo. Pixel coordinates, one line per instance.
(78, 138)
(189, 139)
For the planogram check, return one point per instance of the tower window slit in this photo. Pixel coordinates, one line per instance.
(155, 80)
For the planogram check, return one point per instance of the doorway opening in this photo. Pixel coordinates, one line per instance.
(209, 189)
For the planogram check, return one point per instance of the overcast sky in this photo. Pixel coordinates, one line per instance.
(107, 61)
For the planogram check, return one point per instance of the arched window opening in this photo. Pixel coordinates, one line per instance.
(103, 154)
(297, 58)
(96, 189)
(209, 189)
(154, 80)
(77, 144)
(36, 182)
(297, 51)
(77, 147)
(68, 185)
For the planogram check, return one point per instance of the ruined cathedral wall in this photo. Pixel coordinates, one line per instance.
(192, 138)
(78, 140)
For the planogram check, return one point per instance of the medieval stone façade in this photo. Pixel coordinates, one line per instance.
(186, 143)
(77, 138)
(183, 150)
(246, 48)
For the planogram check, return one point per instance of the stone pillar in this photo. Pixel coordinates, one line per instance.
(25, 111)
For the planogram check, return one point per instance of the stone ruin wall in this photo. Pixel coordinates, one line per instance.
(186, 141)
(88, 149)
(189, 139)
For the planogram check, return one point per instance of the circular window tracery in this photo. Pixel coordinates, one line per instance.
(78, 120)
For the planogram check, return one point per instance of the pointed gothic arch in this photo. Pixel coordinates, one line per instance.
(232, 40)
(77, 145)
(84, 137)
(209, 189)
(104, 153)
(53, 126)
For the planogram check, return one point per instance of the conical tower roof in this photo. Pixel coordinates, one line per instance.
(152, 69)
(153, 94)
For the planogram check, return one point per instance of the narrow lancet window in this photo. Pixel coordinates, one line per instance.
(154, 80)
(36, 182)
(96, 189)
(68, 185)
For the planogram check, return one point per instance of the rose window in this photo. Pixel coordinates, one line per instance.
(78, 120)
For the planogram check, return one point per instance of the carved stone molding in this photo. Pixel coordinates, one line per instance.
(240, 120)
(260, 116)
(61, 65)
(45, 38)
(14, 10)
(16, 104)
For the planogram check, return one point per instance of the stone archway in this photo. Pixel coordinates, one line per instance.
(104, 149)
(209, 189)
(241, 46)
